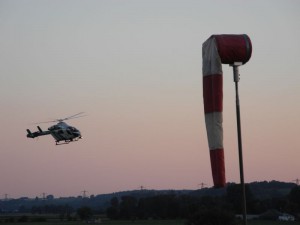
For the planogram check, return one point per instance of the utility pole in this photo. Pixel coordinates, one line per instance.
(202, 185)
(84, 194)
(297, 181)
(44, 196)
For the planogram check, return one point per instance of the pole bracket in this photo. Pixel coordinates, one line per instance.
(236, 75)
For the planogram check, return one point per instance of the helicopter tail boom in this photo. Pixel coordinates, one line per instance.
(37, 133)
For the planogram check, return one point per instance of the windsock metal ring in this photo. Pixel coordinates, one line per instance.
(218, 49)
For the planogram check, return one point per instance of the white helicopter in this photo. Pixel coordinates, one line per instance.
(60, 132)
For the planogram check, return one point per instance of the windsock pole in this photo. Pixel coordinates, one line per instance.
(234, 50)
(236, 78)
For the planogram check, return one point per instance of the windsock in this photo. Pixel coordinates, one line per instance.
(218, 49)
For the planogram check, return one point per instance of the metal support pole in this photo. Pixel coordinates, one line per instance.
(239, 133)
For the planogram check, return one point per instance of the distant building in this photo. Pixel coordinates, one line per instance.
(286, 217)
(249, 216)
(273, 214)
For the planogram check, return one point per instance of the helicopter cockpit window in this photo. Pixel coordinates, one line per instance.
(73, 129)
(54, 127)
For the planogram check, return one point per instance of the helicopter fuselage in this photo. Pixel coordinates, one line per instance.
(60, 132)
(64, 132)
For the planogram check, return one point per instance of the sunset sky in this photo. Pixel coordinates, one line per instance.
(135, 68)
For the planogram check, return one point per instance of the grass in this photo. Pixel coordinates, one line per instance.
(105, 222)
(55, 220)
(145, 222)
(269, 222)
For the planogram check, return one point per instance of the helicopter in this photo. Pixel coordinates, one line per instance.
(60, 131)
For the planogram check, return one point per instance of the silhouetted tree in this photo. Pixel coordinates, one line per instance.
(187, 205)
(113, 212)
(84, 213)
(294, 195)
(212, 216)
(234, 197)
(294, 200)
(114, 202)
(161, 206)
(128, 207)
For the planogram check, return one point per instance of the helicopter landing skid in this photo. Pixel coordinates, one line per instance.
(66, 142)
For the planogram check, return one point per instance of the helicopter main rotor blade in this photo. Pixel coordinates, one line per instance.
(51, 121)
(73, 117)
(77, 115)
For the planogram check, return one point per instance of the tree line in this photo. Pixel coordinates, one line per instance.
(174, 206)
(145, 204)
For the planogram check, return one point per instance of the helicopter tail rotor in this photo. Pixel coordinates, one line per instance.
(29, 134)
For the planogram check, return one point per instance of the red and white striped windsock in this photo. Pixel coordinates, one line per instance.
(216, 50)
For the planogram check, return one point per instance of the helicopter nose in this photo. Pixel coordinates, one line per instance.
(77, 134)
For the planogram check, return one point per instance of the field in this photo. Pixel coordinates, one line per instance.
(5, 220)
(181, 222)
(103, 222)
(146, 222)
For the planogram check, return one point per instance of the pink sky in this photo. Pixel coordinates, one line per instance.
(135, 69)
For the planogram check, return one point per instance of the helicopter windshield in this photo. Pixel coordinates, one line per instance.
(54, 127)
(73, 129)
